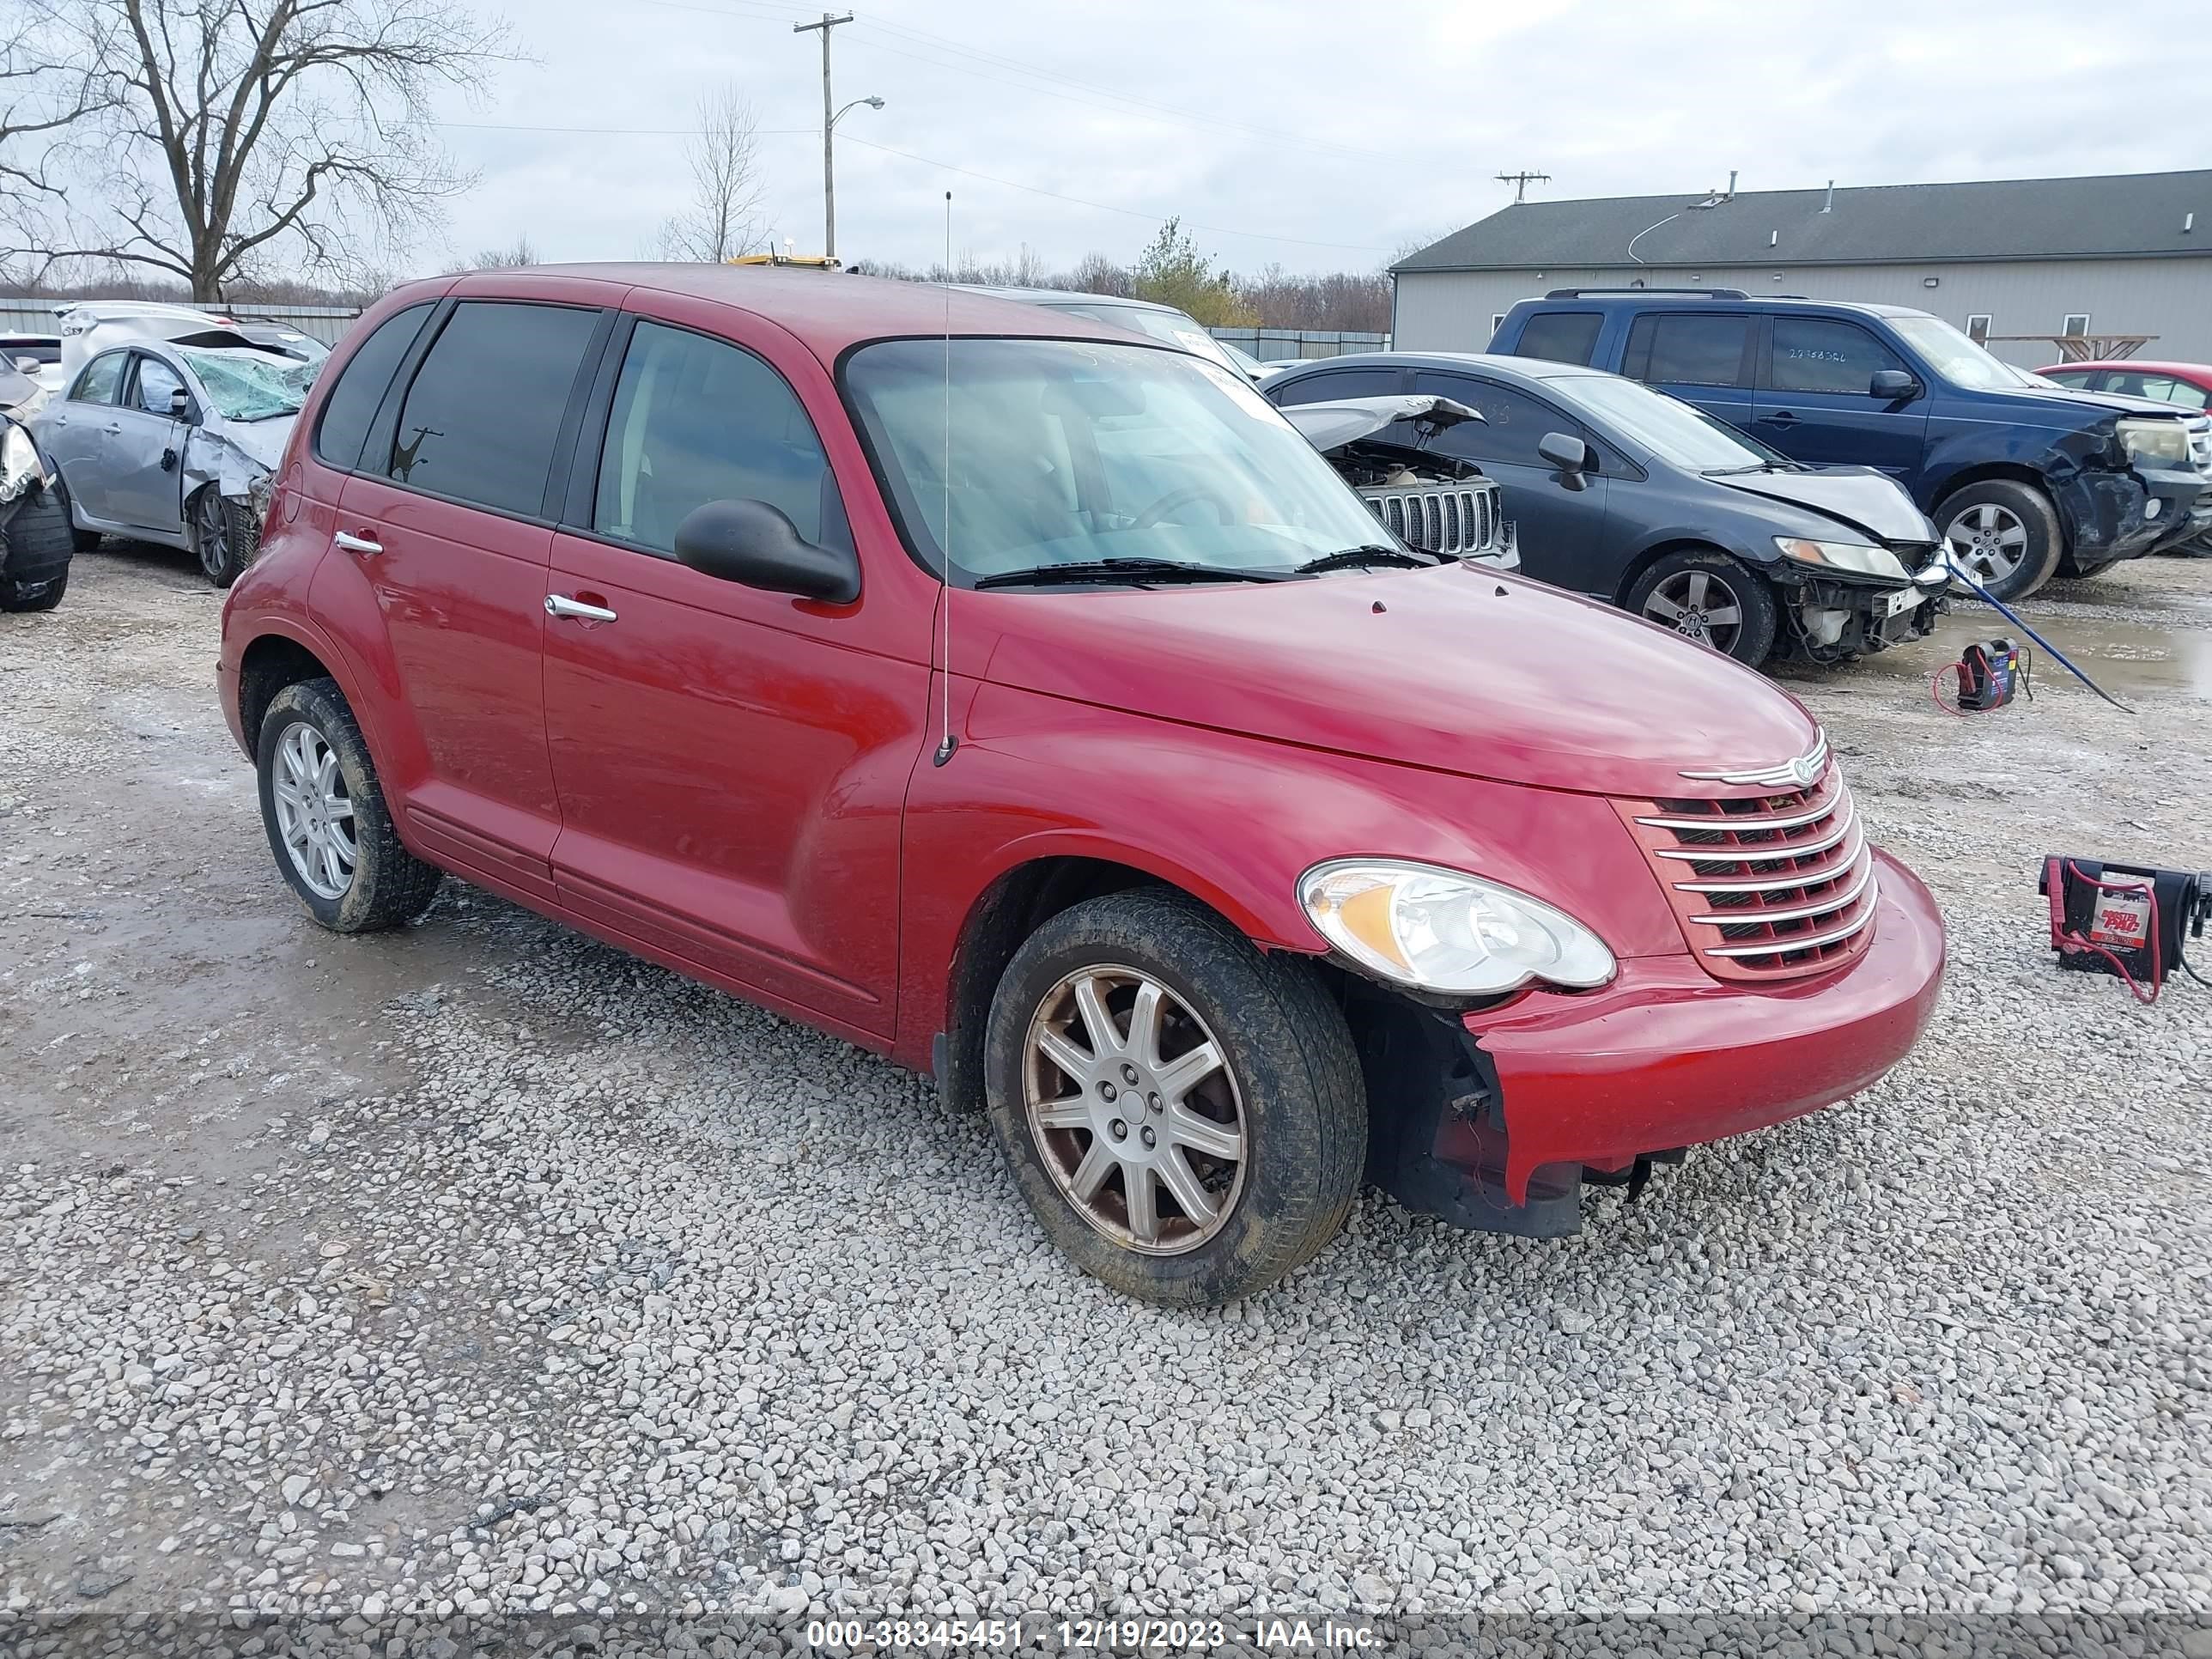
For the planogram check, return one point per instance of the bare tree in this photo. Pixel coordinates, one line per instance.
(246, 134)
(725, 218)
(523, 253)
(42, 98)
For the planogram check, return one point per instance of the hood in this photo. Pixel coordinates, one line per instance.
(1453, 668)
(1341, 420)
(2075, 411)
(1872, 503)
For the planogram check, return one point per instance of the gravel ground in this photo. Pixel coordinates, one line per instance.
(480, 1271)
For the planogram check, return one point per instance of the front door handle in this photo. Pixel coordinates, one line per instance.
(350, 543)
(112, 428)
(1780, 417)
(561, 605)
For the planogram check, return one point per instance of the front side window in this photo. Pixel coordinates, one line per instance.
(2074, 379)
(696, 420)
(485, 409)
(1562, 337)
(352, 402)
(1513, 424)
(1687, 348)
(156, 382)
(1819, 353)
(1008, 456)
(101, 379)
(2164, 388)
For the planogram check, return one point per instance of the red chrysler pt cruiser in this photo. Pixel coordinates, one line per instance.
(1028, 702)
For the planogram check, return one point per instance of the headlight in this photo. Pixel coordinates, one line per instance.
(19, 462)
(1444, 931)
(2162, 443)
(1856, 557)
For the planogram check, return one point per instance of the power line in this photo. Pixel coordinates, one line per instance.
(635, 132)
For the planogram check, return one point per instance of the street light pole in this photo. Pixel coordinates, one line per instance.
(829, 20)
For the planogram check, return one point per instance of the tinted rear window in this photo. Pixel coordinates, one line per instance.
(361, 385)
(480, 419)
(1560, 336)
(1686, 348)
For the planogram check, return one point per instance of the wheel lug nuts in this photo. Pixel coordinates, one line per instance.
(1150, 1138)
(1118, 1129)
(1153, 1103)
(1129, 1075)
(1107, 1091)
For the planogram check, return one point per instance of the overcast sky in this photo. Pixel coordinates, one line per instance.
(1322, 136)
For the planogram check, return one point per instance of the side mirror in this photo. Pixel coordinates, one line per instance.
(752, 542)
(180, 404)
(1570, 455)
(1894, 384)
(29, 365)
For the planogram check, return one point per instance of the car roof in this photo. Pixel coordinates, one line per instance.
(1061, 297)
(1696, 297)
(828, 310)
(2197, 374)
(1528, 369)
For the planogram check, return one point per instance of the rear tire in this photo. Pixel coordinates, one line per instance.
(1710, 597)
(328, 825)
(1269, 1140)
(2004, 534)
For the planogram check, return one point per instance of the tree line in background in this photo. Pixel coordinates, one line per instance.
(1171, 271)
(281, 151)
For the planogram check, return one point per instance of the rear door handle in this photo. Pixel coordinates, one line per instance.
(561, 605)
(352, 544)
(112, 426)
(1780, 417)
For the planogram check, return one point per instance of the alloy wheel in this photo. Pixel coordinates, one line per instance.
(315, 814)
(1699, 604)
(1135, 1111)
(1987, 541)
(211, 533)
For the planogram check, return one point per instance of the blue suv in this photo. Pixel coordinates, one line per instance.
(2023, 478)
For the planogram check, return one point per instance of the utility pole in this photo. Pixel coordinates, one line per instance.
(1520, 181)
(828, 167)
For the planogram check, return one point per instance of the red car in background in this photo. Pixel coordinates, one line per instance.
(2186, 385)
(1029, 703)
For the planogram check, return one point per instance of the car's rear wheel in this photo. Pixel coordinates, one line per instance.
(1184, 1114)
(218, 541)
(1712, 599)
(326, 817)
(2002, 534)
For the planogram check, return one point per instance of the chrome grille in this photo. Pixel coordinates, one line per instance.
(1766, 886)
(1455, 520)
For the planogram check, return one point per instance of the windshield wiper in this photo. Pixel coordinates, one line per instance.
(1371, 553)
(1137, 571)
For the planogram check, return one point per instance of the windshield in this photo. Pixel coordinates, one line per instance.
(1167, 327)
(250, 385)
(1957, 358)
(1065, 452)
(1671, 429)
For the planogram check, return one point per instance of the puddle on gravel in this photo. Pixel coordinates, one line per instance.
(2126, 658)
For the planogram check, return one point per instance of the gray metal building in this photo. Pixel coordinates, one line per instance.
(2098, 258)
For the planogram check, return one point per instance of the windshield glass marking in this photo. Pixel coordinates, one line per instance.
(1065, 452)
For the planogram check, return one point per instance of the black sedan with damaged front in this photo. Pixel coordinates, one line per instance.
(1615, 490)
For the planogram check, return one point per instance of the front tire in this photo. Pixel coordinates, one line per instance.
(81, 541)
(1710, 598)
(327, 821)
(2003, 534)
(1184, 1116)
(217, 526)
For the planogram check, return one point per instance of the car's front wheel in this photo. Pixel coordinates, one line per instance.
(1712, 599)
(1184, 1114)
(2002, 534)
(327, 821)
(217, 530)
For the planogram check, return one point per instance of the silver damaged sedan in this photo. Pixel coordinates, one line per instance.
(166, 442)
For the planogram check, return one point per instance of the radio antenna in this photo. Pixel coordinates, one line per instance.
(949, 743)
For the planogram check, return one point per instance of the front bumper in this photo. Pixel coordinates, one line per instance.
(1833, 618)
(1664, 1057)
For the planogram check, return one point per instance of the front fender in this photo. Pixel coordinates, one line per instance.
(2098, 503)
(1232, 820)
